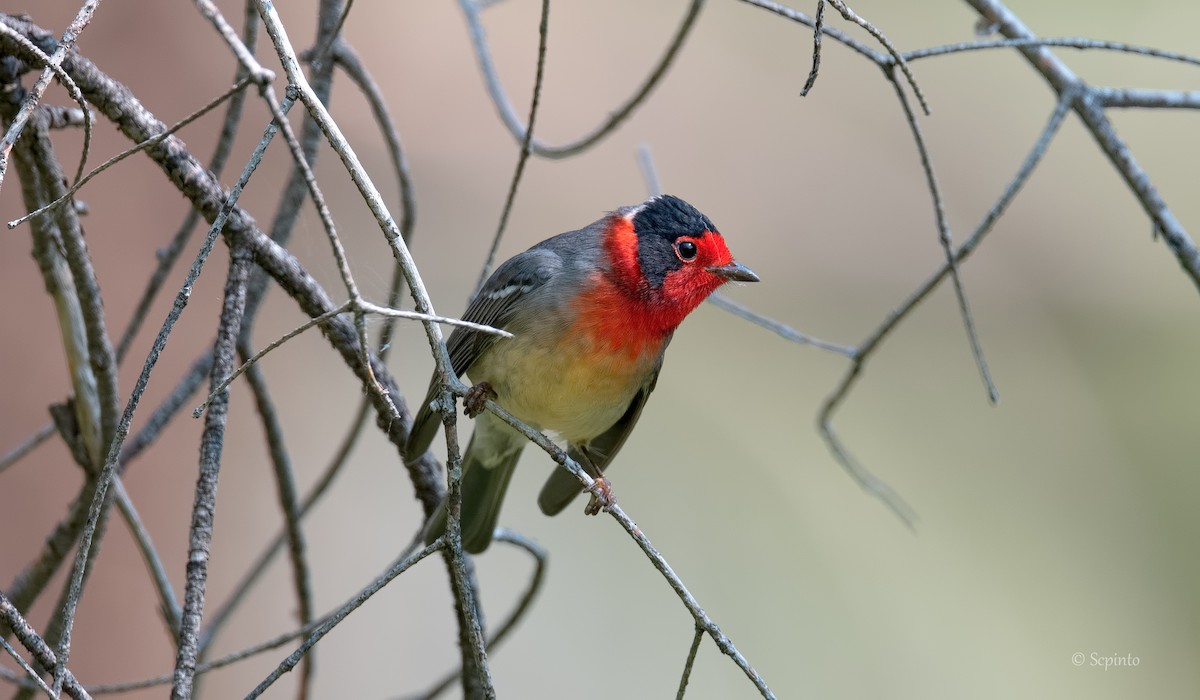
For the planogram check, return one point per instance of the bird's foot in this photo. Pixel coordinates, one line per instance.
(476, 397)
(602, 497)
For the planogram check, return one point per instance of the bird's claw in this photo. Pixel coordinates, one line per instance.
(476, 397)
(602, 497)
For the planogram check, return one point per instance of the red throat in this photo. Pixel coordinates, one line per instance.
(622, 310)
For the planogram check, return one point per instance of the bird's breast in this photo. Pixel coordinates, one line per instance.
(572, 383)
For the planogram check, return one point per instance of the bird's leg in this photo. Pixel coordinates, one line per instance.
(602, 496)
(476, 397)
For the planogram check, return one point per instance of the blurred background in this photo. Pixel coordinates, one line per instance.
(1061, 521)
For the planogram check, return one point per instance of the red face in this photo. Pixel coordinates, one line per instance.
(694, 280)
(658, 280)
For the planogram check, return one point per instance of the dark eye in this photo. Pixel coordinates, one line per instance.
(686, 250)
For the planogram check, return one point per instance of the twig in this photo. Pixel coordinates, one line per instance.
(26, 446)
(851, 16)
(162, 415)
(1039, 42)
(818, 32)
(364, 306)
(689, 601)
(489, 261)
(865, 349)
(1090, 109)
(347, 59)
(37, 646)
(509, 115)
(202, 668)
(458, 560)
(335, 243)
(370, 194)
(217, 620)
(1149, 99)
(82, 18)
(216, 165)
(71, 280)
(213, 104)
(406, 561)
(833, 33)
(523, 605)
(691, 657)
(31, 679)
(211, 445)
(782, 330)
(285, 483)
(244, 54)
(158, 574)
(947, 242)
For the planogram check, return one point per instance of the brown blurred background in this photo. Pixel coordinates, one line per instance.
(1062, 521)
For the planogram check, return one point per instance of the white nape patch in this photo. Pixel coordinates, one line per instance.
(505, 292)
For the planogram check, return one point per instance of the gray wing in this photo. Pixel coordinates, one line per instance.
(495, 305)
(562, 488)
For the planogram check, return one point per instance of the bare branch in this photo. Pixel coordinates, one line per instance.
(490, 260)
(1091, 110)
(691, 657)
(41, 651)
(26, 446)
(404, 563)
(212, 443)
(508, 113)
(64, 46)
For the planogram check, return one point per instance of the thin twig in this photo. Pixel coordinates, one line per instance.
(782, 330)
(285, 483)
(346, 306)
(691, 657)
(346, 58)
(26, 446)
(406, 561)
(851, 16)
(255, 571)
(244, 54)
(947, 242)
(65, 44)
(202, 668)
(166, 411)
(216, 165)
(458, 559)
(212, 442)
(660, 563)
(1063, 42)
(523, 605)
(37, 646)
(837, 35)
(509, 115)
(167, 603)
(1062, 79)
(818, 27)
(213, 104)
(335, 243)
(490, 260)
(867, 348)
(31, 679)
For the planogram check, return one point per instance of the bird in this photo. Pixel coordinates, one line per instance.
(591, 313)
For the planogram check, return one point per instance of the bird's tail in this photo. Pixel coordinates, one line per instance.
(487, 468)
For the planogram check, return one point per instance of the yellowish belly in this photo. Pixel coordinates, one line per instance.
(574, 389)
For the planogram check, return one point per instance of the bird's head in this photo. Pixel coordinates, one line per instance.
(667, 255)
